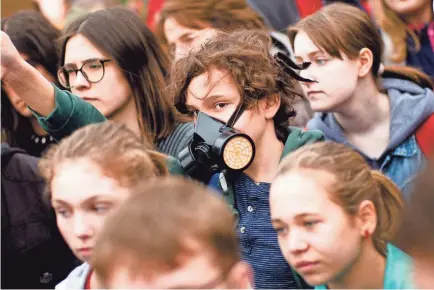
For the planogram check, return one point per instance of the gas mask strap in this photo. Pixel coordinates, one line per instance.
(236, 115)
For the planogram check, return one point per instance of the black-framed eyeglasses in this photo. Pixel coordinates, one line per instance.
(93, 71)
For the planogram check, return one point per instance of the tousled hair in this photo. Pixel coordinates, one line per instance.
(245, 57)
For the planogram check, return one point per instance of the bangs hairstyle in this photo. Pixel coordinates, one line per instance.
(150, 233)
(116, 150)
(224, 15)
(344, 29)
(123, 36)
(245, 57)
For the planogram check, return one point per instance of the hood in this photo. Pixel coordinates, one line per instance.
(410, 106)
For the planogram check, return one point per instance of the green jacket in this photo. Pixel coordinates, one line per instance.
(398, 272)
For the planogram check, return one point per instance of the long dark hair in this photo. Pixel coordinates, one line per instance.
(34, 36)
(123, 35)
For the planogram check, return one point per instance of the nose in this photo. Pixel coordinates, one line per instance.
(307, 73)
(296, 242)
(81, 82)
(83, 229)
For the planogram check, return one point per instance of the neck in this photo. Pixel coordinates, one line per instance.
(366, 108)
(128, 116)
(421, 16)
(268, 152)
(366, 273)
(37, 129)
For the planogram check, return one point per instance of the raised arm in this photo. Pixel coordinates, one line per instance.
(25, 80)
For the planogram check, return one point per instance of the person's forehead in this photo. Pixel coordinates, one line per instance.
(303, 45)
(79, 49)
(212, 82)
(173, 30)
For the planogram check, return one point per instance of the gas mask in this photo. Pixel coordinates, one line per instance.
(216, 147)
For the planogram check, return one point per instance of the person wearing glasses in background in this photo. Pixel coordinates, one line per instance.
(35, 40)
(114, 69)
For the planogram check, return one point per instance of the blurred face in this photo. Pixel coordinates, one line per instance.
(182, 39)
(216, 95)
(404, 7)
(82, 197)
(336, 79)
(196, 271)
(16, 101)
(111, 95)
(315, 235)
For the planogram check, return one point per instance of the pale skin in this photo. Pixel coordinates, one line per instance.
(82, 198)
(347, 89)
(319, 239)
(115, 102)
(219, 98)
(412, 11)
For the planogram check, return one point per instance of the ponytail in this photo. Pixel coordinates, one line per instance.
(389, 206)
(408, 73)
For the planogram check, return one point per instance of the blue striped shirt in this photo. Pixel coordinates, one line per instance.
(259, 245)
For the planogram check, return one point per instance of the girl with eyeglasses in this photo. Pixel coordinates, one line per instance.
(114, 69)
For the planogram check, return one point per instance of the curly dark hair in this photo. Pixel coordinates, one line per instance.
(245, 56)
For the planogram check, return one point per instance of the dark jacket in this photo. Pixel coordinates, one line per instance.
(34, 255)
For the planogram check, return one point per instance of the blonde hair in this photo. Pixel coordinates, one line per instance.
(346, 29)
(395, 28)
(354, 182)
(118, 152)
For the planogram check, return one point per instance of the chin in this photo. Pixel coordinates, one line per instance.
(316, 279)
(321, 107)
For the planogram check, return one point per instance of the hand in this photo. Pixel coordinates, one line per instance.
(9, 54)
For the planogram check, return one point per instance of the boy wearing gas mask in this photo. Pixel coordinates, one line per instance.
(240, 97)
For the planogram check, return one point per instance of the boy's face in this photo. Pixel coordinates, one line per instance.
(215, 94)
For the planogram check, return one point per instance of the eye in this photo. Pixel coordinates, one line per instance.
(63, 212)
(320, 61)
(220, 106)
(101, 208)
(94, 65)
(310, 224)
(281, 230)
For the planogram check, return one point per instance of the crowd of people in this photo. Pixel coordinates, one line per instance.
(218, 144)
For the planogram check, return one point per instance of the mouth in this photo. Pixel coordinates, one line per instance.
(314, 93)
(86, 252)
(305, 266)
(88, 99)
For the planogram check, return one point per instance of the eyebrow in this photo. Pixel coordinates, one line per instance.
(311, 53)
(85, 61)
(299, 216)
(87, 200)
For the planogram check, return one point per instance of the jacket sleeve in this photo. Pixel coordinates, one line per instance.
(70, 114)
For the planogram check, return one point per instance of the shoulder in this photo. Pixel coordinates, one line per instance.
(398, 269)
(19, 166)
(298, 137)
(76, 279)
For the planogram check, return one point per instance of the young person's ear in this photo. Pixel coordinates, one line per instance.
(241, 276)
(367, 218)
(365, 61)
(271, 105)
